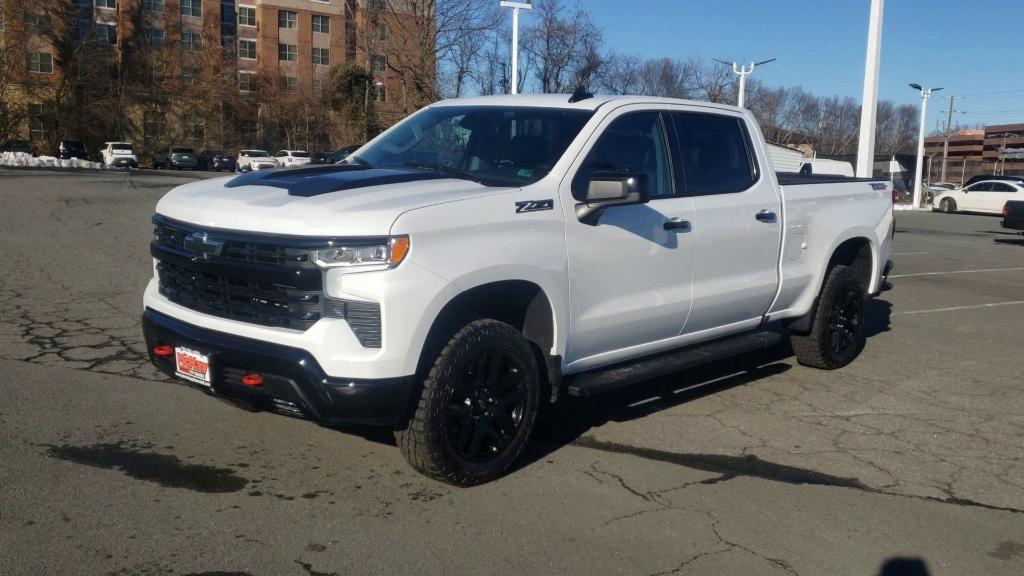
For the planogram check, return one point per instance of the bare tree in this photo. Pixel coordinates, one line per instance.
(562, 46)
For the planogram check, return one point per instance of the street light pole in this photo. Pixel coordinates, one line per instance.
(945, 141)
(925, 95)
(516, 7)
(869, 104)
(743, 72)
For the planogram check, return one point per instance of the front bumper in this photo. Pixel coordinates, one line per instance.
(294, 382)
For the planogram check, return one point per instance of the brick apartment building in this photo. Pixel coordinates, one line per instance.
(973, 152)
(174, 59)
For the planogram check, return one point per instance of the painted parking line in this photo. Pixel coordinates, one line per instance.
(909, 253)
(956, 308)
(957, 272)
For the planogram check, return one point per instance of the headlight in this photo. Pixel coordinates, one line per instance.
(385, 254)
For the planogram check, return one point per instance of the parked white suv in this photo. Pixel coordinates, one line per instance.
(119, 155)
(289, 158)
(486, 255)
(254, 160)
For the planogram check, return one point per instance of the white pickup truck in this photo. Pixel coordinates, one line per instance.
(486, 255)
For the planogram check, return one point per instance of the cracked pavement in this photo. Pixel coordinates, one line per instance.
(909, 461)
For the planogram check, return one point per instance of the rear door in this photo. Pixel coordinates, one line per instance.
(736, 220)
(996, 196)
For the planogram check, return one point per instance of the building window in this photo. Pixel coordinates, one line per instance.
(153, 5)
(245, 82)
(322, 56)
(106, 34)
(377, 5)
(40, 62)
(155, 37)
(37, 23)
(379, 93)
(37, 121)
(290, 83)
(380, 32)
(191, 41)
(197, 130)
(155, 70)
(247, 49)
(82, 29)
(321, 24)
(287, 52)
(188, 76)
(378, 64)
(192, 8)
(106, 3)
(153, 125)
(246, 16)
(287, 19)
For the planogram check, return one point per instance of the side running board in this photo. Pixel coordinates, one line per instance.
(608, 379)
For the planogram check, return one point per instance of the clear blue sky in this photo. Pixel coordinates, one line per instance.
(969, 47)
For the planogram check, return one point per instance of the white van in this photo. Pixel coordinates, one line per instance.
(823, 166)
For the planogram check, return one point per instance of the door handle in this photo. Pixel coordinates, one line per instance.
(765, 216)
(678, 225)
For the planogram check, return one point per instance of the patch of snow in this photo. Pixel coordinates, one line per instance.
(24, 159)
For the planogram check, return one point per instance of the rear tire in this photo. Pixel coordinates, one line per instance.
(948, 205)
(837, 333)
(477, 408)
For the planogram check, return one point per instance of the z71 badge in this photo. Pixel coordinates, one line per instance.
(534, 206)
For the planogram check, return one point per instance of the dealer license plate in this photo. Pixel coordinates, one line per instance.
(192, 365)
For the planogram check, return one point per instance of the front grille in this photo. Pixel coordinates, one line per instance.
(260, 279)
(240, 299)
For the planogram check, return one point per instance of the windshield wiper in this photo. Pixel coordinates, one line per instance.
(360, 161)
(446, 170)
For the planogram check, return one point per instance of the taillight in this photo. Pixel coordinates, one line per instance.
(1006, 210)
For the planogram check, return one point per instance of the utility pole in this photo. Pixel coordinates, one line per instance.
(869, 103)
(743, 72)
(945, 142)
(925, 95)
(516, 7)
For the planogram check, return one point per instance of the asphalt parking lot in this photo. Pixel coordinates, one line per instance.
(909, 461)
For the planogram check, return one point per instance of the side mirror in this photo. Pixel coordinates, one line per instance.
(607, 189)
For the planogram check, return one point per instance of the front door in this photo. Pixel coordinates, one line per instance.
(737, 221)
(629, 274)
(971, 197)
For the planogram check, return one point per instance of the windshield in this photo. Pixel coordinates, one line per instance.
(497, 145)
(121, 147)
(300, 154)
(181, 151)
(255, 153)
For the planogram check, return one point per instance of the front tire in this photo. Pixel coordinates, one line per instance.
(948, 205)
(837, 333)
(477, 408)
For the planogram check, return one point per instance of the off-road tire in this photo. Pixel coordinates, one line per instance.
(948, 205)
(818, 348)
(425, 441)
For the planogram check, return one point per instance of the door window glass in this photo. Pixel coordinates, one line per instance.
(1000, 187)
(634, 143)
(716, 154)
(981, 187)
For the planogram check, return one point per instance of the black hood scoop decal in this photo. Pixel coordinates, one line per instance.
(317, 180)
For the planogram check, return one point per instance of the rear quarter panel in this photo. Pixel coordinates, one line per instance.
(818, 217)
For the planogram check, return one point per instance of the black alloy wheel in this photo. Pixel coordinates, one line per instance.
(477, 407)
(486, 407)
(844, 321)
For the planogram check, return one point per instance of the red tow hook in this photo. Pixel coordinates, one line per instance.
(163, 350)
(252, 379)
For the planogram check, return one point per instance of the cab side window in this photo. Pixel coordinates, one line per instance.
(634, 143)
(981, 187)
(717, 156)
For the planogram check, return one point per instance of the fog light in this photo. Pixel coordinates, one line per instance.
(163, 350)
(252, 379)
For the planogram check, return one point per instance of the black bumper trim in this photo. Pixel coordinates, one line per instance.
(293, 381)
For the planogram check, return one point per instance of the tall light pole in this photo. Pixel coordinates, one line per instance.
(869, 104)
(945, 141)
(743, 72)
(516, 7)
(925, 95)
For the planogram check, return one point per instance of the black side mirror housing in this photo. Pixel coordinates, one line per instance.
(606, 189)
